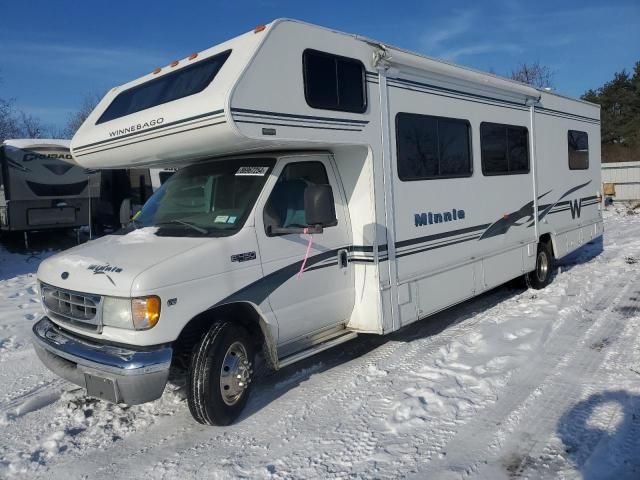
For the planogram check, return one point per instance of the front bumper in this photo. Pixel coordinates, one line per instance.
(117, 374)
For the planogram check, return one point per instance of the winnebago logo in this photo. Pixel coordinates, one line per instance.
(575, 207)
(137, 127)
(430, 218)
(105, 270)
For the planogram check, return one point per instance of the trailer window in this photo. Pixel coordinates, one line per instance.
(505, 149)
(167, 88)
(332, 82)
(432, 147)
(578, 150)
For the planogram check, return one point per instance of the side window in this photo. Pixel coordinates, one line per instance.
(332, 82)
(285, 206)
(432, 147)
(505, 149)
(578, 143)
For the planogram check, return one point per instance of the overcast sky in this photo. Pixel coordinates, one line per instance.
(52, 53)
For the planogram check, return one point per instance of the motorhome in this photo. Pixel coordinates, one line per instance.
(329, 185)
(41, 186)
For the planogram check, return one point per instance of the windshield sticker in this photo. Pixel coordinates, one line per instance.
(221, 219)
(252, 171)
(232, 220)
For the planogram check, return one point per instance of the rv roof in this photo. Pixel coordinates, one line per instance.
(36, 142)
(454, 66)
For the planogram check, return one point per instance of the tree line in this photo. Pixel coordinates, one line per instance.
(619, 101)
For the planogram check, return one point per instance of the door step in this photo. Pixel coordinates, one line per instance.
(341, 337)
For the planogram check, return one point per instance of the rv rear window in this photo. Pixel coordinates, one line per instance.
(578, 150)
(432, 147)
(505, 149)
(332, 82)
(172, 86)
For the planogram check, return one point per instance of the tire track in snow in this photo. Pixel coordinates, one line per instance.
(534, 396)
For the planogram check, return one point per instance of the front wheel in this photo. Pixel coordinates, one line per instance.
(543, 273)
(220, 374)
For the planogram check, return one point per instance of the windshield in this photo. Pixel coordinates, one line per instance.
(212, 198)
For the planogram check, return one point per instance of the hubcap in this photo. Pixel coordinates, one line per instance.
(235, 374)
(543, 267)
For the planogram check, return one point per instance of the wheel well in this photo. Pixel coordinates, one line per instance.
(546, 238)
(242, 313)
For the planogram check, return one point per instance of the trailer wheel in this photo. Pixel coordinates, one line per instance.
(543, 273)
(220, 374)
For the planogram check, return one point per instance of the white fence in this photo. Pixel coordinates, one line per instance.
(625, 176)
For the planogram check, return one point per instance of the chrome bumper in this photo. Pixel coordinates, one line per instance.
(117, 374)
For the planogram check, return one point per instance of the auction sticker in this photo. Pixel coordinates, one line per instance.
(252, 171)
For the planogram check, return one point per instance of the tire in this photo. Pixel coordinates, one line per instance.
(216, 397)
(545, 265)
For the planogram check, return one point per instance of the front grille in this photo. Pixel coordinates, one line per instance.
(79, 309)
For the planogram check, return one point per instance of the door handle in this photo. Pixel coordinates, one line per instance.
(343, 258)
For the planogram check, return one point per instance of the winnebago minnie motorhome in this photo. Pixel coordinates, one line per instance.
(41, 187)
(329, 185)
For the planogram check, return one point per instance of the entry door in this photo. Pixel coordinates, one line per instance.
(323, 295)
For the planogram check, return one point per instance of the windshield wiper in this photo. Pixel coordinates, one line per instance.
(190, 225)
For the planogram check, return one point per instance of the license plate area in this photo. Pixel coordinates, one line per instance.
(103, 388)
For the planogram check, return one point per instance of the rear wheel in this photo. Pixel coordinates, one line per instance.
(220, 374)
(543, 273)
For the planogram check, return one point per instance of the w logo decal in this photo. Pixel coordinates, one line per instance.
(575, 206)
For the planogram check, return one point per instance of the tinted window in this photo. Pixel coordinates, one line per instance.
(285, 207)
(432, 147)
(172, 86)
(578, 150)
(332, 82)
(505, 149)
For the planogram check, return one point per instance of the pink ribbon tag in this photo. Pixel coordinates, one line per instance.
(306, 255)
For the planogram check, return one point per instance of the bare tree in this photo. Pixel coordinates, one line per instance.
(535, 74)
(77, 118)
(30, 126)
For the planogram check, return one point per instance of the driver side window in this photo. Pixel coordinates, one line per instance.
(285, 207)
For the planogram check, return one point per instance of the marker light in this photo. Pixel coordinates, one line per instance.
(192, 56)
(174, 63)
(259, 29)
(156, 71)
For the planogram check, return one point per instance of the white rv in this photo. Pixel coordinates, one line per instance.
(41, 187)
(329, 185)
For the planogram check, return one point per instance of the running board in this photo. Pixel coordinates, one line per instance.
(320, 347)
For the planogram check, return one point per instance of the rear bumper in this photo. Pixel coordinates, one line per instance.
(117, 374)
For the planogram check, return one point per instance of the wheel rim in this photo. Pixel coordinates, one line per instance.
(543, 267)
(235, 374)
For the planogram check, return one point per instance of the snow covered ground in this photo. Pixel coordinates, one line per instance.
(513, 384)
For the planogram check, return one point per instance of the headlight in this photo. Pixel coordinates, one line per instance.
(131, 313)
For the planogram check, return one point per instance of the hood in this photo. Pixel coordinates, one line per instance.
(109, 265)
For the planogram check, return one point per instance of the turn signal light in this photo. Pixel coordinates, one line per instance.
(145, 312)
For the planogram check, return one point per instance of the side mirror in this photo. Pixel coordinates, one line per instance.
(319, 206)
(125, 212)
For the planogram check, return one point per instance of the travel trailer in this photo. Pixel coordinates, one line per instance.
(41, 187)
(329, 185)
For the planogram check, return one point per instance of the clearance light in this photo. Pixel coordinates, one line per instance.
(174, 63)
(156, 71)
(259, 29)
(192, 56)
